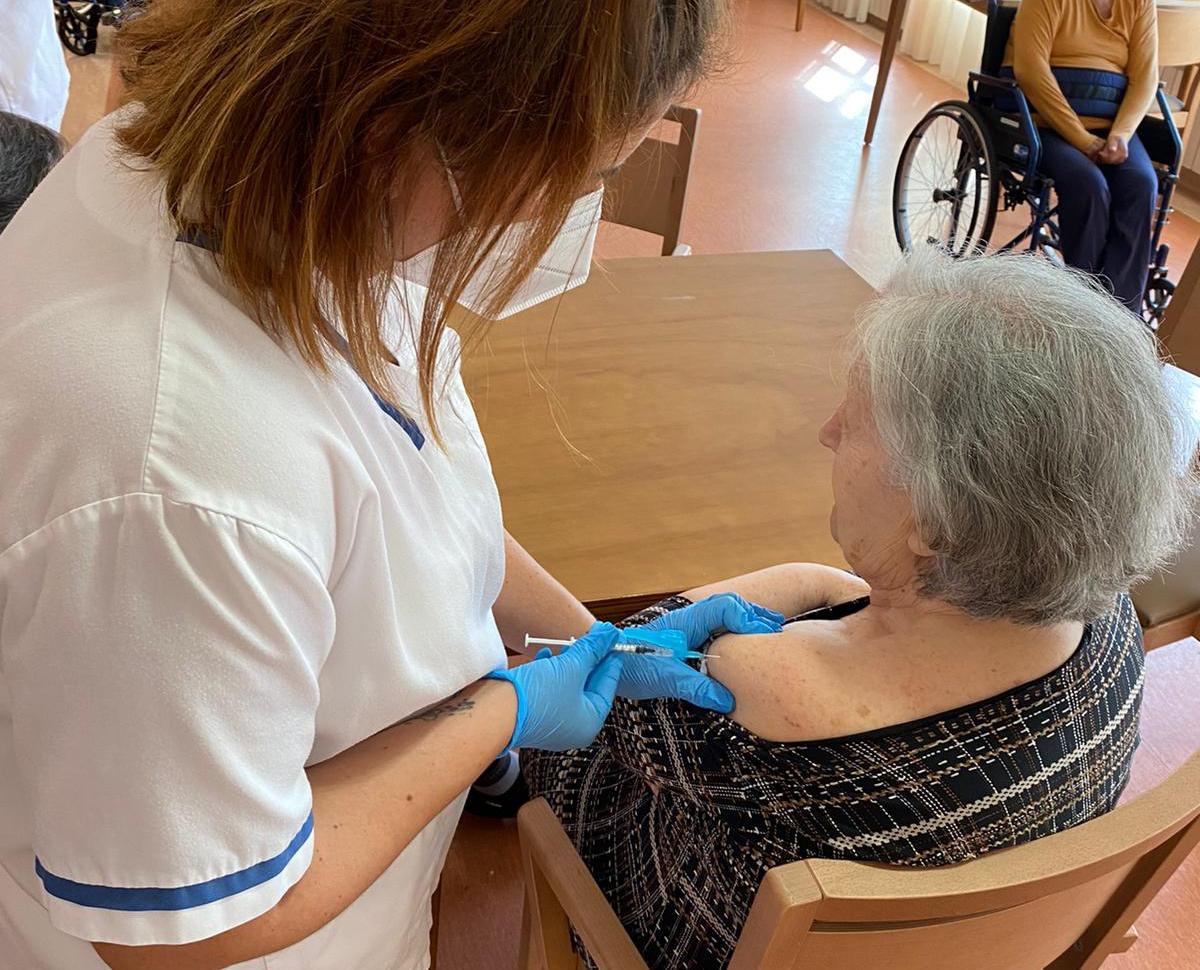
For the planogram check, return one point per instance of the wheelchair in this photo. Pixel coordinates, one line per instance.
(79, 23)
(967, 160)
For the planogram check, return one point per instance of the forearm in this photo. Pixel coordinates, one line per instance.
(1139, 96)
(789, 588)
(369, 803)
(1133, 109)
(533, 601)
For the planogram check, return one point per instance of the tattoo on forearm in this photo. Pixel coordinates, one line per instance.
(447, 708)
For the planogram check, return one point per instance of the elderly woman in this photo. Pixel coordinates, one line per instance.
(1090, 70)
(1003, 469)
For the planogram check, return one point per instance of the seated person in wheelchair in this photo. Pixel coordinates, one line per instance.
(1089, 69)
(1003, 470)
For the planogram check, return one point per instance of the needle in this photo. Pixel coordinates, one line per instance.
(644, 649)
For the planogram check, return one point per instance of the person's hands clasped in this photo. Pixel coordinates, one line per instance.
(1113, 151)
(645, 677)
(562, 700)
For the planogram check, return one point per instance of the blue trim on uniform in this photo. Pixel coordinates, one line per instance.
(414, 433)
(410, 427)
(139, 900)
(198, 238)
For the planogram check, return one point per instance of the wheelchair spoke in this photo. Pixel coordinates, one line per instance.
(944, 193)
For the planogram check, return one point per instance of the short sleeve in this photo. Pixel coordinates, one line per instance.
(162, 661)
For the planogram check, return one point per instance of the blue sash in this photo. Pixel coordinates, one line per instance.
(1091, 93)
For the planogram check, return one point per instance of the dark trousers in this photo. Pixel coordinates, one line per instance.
(1104, 214)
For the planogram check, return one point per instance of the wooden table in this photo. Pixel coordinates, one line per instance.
(691, 390)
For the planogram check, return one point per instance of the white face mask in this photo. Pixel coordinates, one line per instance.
(563, 266)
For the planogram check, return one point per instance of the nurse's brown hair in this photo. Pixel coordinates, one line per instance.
(285, 130)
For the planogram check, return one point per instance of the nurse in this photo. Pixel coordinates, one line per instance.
(254, 584)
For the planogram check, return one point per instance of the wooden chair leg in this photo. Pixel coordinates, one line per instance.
(1125, 944)
(799, 14)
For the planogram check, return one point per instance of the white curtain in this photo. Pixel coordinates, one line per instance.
(850, 9)
(946, 34)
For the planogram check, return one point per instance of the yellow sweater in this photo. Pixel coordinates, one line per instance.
(1070, 33)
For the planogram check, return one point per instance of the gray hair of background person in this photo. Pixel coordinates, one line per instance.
(1024, 412)
(27, 152)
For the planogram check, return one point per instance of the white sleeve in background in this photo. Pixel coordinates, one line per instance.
(34, 80)
(162, 661)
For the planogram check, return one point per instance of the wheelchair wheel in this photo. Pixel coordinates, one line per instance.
(78, 25)
(1159, 290)
(947, 186)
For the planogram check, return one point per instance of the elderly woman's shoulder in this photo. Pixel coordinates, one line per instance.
(822, 680)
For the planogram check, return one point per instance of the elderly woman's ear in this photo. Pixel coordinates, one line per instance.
(918, 546)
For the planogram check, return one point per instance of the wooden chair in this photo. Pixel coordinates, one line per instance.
(1062, 903)
(1179, 47)
(1168, 604)
(799, 14)
(650, 189)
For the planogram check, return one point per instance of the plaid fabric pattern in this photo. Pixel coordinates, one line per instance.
(679, 813)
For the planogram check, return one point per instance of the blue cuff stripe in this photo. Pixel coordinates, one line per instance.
(179, 897)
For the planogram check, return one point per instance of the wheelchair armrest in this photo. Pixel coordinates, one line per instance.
(1013, 89)
(1008, 83)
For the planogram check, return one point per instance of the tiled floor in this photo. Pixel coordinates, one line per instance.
(780, 165)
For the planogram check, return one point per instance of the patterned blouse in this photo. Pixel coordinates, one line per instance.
(679, 812)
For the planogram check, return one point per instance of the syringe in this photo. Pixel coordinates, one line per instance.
(677, 649)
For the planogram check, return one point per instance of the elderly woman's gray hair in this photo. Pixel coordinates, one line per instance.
(1024, 411)
(27, 152)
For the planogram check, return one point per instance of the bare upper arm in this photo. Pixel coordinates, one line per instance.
(789, 588)
(791, 686)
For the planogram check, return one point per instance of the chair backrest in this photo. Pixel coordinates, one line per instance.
(1063, 902)
(995, 37)
(1179, 33)
(1066, 901)
(650, 189)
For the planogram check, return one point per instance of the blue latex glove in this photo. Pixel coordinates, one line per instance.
(645, 677)
(562, 700)
(713, 615)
